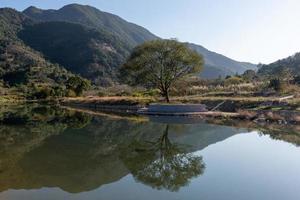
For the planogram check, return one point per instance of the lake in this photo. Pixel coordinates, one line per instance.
(55, 153)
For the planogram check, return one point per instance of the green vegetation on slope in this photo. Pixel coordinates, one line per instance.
(91, 53)
(133, 35)
(23, 68)
(89, 16)
(291, 63)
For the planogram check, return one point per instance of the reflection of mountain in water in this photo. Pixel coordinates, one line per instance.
(78, 153)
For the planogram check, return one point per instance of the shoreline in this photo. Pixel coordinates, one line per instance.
(133, 106)
(235, 108)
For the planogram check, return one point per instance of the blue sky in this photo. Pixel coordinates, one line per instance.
(246, 30)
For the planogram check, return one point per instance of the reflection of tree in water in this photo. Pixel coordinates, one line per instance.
(161, 164)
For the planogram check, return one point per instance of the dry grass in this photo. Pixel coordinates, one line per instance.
(274, 116)
(247, 114)
(111, 100)
(11, 99)
(296, 118)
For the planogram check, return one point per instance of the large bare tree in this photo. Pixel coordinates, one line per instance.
(159, 64)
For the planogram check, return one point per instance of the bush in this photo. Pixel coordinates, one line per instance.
(146, 93)
(276, 84)
(297, 80)
(290, 89)
(233, 81)
(101, 94)
(70, 93)
(42, 93)
(78, 85)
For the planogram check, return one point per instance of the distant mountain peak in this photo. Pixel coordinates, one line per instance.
(76, 7)
(32, 9)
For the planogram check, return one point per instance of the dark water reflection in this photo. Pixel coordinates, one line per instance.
(44, 147)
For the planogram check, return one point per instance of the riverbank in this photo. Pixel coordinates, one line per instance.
(286, 132)
(257, 109)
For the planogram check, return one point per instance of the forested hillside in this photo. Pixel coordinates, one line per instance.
(132, 35)
(94, 54)
(82, 40)
(23, 67)
(291, 63)
(89, 16)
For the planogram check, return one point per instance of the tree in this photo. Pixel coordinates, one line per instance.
(160, 64)
(297, 80)
(276, 84)
(77, 84)
(285, 74)
(249, 75)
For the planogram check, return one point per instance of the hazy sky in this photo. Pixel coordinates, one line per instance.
(246, 30)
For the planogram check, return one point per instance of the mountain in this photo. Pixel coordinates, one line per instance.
(81, 40)
(20, 64)
(94, 18)
(218, 65)
(84, 40)
(11, 21)
(132, 35)
(292, 63)
(94, 54)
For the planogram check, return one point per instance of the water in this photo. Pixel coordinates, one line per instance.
(53, 153)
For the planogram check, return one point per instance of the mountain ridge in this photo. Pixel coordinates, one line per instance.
(90, 16)
(221, 62)
(216, 64)
(291, 63)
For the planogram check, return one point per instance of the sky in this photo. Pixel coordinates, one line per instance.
(257, 31)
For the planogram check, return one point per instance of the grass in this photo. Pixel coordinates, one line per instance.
(111, 100)
(11, 99)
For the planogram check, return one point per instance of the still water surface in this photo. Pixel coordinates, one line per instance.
(51, 153)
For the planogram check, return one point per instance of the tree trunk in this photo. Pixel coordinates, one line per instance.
(166, 94)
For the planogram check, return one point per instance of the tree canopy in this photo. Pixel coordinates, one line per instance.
(78, 85)
(160, 64)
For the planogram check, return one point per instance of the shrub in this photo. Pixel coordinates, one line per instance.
(70, 93)
(78, 85)
(101, 94)
(58, 91)
(276, 84)
(233, 81)
(146, 93)
(297, 80)
(42, 93)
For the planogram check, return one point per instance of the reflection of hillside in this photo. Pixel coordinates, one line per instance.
(24, 129)
(288, 134)
(69, 151)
